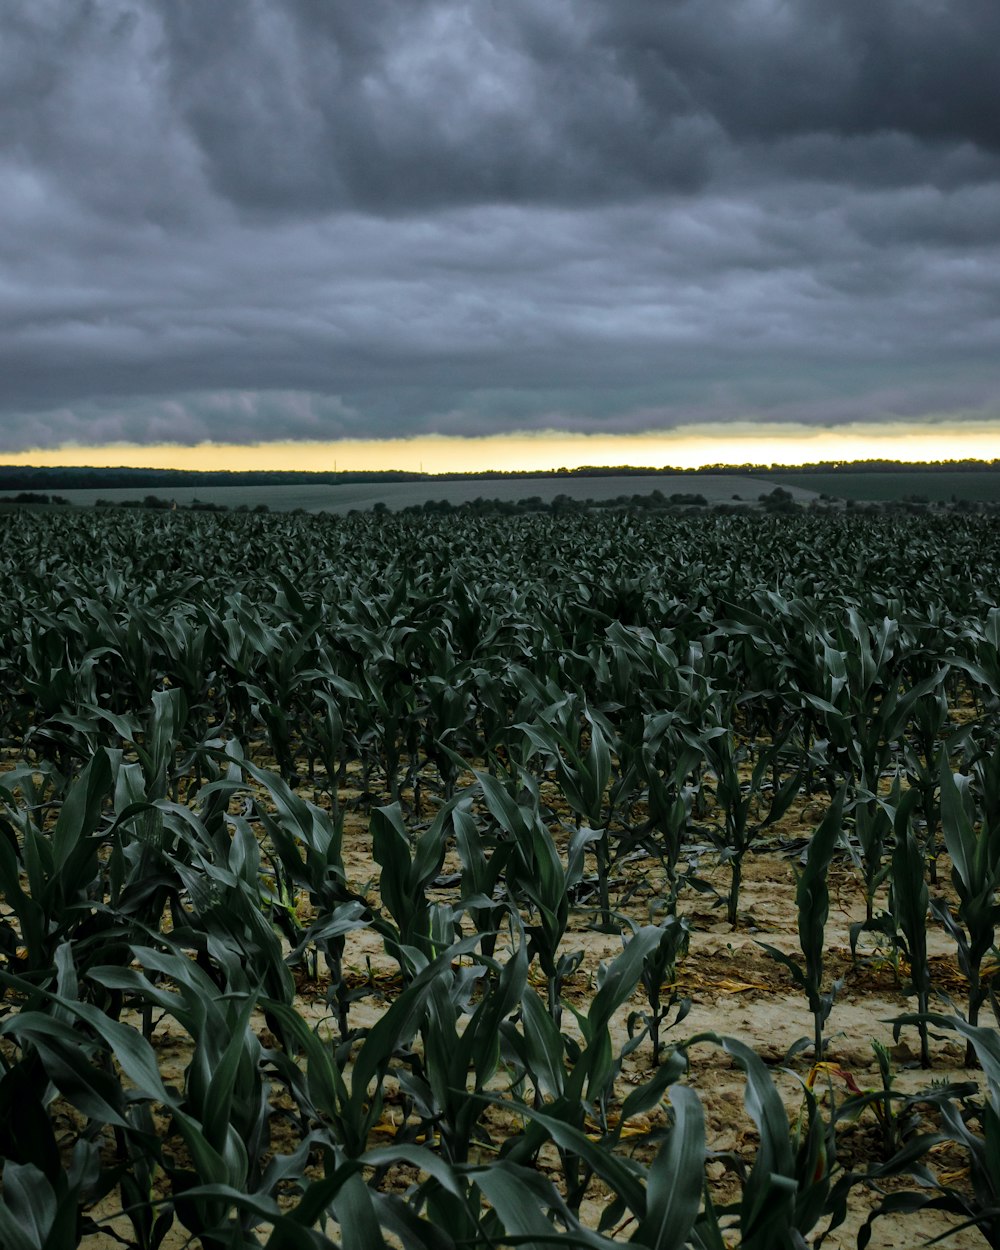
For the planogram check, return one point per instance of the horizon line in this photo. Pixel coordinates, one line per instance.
(872, 464)
(685, 448)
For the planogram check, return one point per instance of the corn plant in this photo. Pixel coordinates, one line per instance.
(408, 868)
(223, 1114)
(922, 747)
(976, 1203)
(908, 907)
(583, 774)
(669, 755)
(306, 854)
(659, 972)
(790, 1185)
(663, 1200)
(579, 1081)
(327, 733)
(975, 859)
(538, 877)
(483, 891)
(739, 802)
(47, 878)
(439, 1077)
(39, 1214)
(812, 898)
(68, 1043)
(349, 1110)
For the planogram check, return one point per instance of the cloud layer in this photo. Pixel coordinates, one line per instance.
(275, 219)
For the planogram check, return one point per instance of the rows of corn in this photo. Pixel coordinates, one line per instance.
(515, 709)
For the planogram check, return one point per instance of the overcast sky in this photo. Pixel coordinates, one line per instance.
(245, 220)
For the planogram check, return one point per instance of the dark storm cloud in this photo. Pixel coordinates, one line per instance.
(768, 69)
(397, 103)
(253, 219)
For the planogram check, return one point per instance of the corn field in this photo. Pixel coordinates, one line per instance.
(359, 879)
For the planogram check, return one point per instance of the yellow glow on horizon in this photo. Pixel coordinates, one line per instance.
(686, 447)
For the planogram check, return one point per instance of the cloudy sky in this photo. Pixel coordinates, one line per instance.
(247, 221)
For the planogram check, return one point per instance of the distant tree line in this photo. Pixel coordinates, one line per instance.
(29, 496)
(155, 503)
(36, 478)
(652, 502)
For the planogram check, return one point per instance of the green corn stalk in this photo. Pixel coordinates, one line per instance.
(975, 874)
(659, 971)
(228, 911)
(331, 733)
(812, 898)
(537, 876)
(873, 827)
(408, 868)
(583, 778)
(224, 1113)
(873, 731)
(165, 726)
(900, 1116)
(922, 744)
(790, 1186)
(446, 720)
(976, 1203)
(39, 1214)
(908, 907)
(47, 880)
(482, 877)
(27, 1134)
(738, 802)
(664, 1199)
(306, 843)
(889, 1118)
(350, 1110)
(456, 1205)
(580, 1081)
(669, 754)
(439, 1082)
(69, 1045)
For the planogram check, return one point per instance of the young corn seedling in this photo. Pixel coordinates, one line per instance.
(900, 1116)
(408, 868)
(349, 1109)
(975, 874)
(739, 802)
(812, 898)
(908, 906)
(578, 1081)
(976, 1201)
(659, 974)
(50, 879)
(439, 1082)
(483, 889)
(583, 778)
(538, 877)
(790, 1186)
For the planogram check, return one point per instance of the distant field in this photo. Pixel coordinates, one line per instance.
(279, 498)
(716, 488)
(933, 485)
